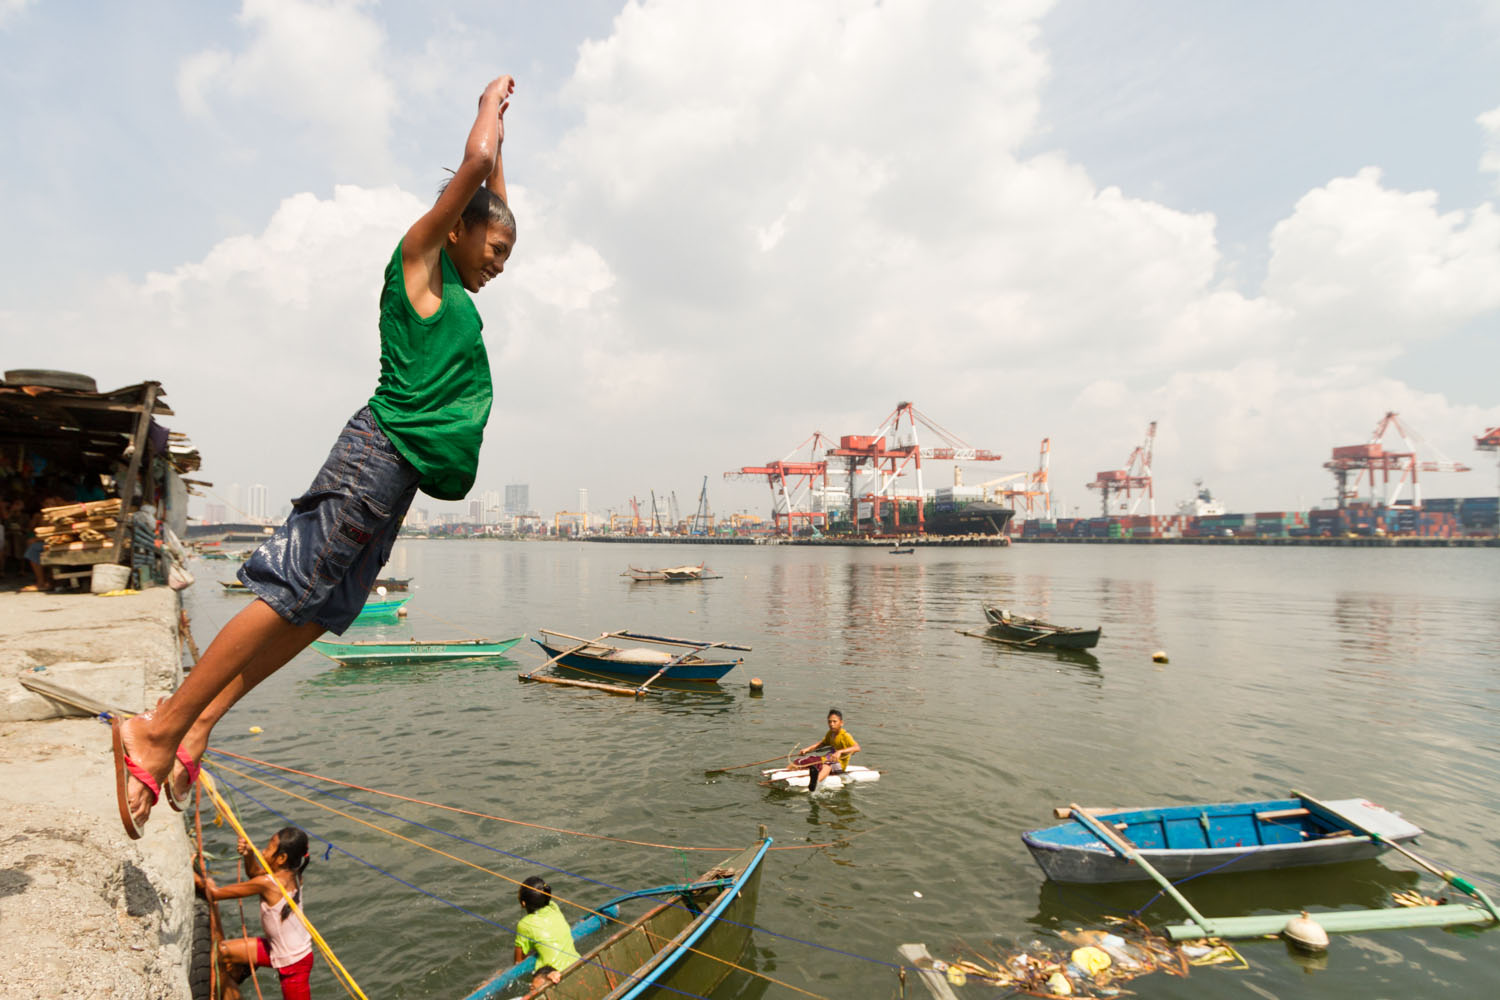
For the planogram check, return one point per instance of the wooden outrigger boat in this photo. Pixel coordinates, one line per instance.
(1354, 828)
(670, 574)
(392, 583)
(684, 946)
(599, 656)
(1180, 841)
(376, 653)
(234, 587)
(1022, 631)
(381, 607)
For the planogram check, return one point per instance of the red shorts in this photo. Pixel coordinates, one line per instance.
(295, 978)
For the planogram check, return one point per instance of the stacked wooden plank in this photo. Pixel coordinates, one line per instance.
(80, 526)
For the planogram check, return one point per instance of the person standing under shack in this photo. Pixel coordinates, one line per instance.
(835, 749)
(421, 430)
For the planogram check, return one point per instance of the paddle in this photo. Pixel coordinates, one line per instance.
(1461, 884)
(768, 760)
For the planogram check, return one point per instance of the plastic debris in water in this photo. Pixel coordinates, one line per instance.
(256, 729)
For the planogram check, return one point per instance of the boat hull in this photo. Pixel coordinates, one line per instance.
(388, 653)
(980, 517)
(1180, 841)
(685, 946)
(688, 670)
(379, 609)
(1040, 634)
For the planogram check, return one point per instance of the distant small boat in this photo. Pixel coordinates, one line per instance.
(412, 651)
(234, 587)
(1022, 631)
(906, 551)
(670, 574)
(685, 945)
(392, 583)
(1180, 841)
(382, 606)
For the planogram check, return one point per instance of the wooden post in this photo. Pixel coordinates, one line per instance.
(127, 488)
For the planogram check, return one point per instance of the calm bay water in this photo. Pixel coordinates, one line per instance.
(1341, 672)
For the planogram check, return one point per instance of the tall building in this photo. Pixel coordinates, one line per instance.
(583, 500)
(492, 507)
(476, 511)
(517, 498)
(256, 503)
(213, 513)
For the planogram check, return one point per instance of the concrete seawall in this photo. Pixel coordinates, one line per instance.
(84, 910)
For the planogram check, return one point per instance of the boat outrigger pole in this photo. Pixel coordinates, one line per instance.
(1122, 847)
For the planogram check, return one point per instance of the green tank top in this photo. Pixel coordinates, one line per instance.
(435, 393)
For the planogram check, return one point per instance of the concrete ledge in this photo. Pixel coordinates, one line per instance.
(84, 910)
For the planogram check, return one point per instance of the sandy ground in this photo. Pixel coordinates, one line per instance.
(85, 911)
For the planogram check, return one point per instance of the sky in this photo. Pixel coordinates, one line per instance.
(1262, 226)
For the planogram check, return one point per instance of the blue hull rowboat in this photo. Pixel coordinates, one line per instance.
(684, 946)
(1179, 841)
(412, 651)
(599, 657)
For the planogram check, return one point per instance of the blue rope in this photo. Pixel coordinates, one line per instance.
(560, 871)
(433, 895)
(1137, 912)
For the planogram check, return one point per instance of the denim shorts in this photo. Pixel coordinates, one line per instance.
(320, 565)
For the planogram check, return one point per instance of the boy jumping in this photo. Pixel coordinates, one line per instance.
(421, 430)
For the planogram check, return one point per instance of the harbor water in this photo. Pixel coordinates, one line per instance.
(1339, 672)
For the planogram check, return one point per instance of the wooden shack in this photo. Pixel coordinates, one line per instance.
(118, 471)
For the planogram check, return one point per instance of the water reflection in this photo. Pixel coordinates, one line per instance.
(341, 676)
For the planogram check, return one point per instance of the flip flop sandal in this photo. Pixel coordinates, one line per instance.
(192, 768)
(125, 769)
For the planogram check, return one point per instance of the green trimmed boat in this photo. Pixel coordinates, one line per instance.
(375, 653)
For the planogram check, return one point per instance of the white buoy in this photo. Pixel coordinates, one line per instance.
(1306, 933)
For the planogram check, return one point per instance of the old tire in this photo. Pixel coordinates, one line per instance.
(51, 379)
(201, 965)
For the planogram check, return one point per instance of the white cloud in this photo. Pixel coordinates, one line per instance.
(12, 8)
(316, 64)
(1490, 160)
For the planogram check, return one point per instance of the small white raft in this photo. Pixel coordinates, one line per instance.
(796, 779)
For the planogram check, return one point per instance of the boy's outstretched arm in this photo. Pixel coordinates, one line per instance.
(481, 163)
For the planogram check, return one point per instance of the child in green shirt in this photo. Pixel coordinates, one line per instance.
(545, 931)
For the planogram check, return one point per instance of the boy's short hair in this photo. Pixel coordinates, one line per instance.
(834, 711)
(485, 207)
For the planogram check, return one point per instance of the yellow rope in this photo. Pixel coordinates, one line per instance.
(489, 871)
(842, 841)
(340, 973)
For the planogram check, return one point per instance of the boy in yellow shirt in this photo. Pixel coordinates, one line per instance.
(834, 751)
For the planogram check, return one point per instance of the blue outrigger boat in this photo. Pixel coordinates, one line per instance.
(1179, 841)
(683, 946)
(601, 656)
